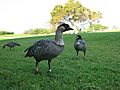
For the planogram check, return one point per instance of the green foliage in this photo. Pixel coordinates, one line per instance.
(94, 15)
(97, 27)
(57, 14)
(5, 32)
(75, 9)
(99, 71)
(38, 31)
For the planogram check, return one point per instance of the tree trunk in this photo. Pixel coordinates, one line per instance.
(91, 25)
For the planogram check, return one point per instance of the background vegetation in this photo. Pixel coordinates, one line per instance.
(100, 70)
(38, 31)
(96, 27)
(5, 32)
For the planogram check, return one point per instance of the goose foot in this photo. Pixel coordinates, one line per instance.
(49, 70)
(36, 72)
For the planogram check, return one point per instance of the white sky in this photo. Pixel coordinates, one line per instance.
(20, 15)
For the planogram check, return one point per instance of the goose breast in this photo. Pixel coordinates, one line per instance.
(80, 45)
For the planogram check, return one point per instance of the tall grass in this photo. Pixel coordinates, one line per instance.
(100, 70)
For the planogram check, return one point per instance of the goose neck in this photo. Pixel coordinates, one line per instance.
(59, 38)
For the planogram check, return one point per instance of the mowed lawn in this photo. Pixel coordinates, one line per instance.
(100, 70)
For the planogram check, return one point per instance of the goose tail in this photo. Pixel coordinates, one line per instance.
(30, 52)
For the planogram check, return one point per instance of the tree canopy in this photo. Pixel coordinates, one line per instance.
(73, 11)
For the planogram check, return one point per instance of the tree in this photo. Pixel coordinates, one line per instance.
(74, 12)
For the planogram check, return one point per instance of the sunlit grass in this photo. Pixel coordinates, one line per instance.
(100, 70)
(5, 37)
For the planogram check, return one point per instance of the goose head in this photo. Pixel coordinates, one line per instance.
(17, 44)
(79, 37)
(64, 27)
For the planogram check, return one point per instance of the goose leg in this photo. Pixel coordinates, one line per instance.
(84, 53)
(36, 70)
(77, 53)
(49, 61)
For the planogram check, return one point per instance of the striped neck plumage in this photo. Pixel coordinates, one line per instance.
(59, 38)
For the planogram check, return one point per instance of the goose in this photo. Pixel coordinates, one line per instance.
(80, 45)
(11, 45)
(48, 49)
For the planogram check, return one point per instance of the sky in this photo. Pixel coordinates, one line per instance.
(20, 15)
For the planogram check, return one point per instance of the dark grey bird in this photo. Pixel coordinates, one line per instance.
(48, 49)
(11, 45)
(80, 45)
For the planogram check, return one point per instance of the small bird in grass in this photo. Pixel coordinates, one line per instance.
(11, 45)
(80, 45)
(48, 49)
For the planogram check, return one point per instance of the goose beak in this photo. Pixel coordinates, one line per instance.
(71, 29)
(68, 29)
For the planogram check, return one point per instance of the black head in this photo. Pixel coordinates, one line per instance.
(64, 27)
(79, 37)
(3, 46)
(17, 44)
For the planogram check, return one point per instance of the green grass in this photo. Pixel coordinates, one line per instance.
(99, 71)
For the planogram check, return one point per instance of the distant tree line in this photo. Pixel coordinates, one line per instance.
(38, 31)
(48, 31)
(5, 32)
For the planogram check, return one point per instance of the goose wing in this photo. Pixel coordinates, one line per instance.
(80, 41)
(44, 49)
(36, 46)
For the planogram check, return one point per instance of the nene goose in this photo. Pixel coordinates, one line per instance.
(11, 45)
(48, 49)
(80, 45)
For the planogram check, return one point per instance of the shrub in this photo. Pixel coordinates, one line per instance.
(38, 31)
(5, 32)
(97, 27)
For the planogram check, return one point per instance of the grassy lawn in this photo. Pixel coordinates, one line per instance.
(99, 71)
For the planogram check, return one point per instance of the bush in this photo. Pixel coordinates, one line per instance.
(38, 31)
(5, 32)
(97, 27)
